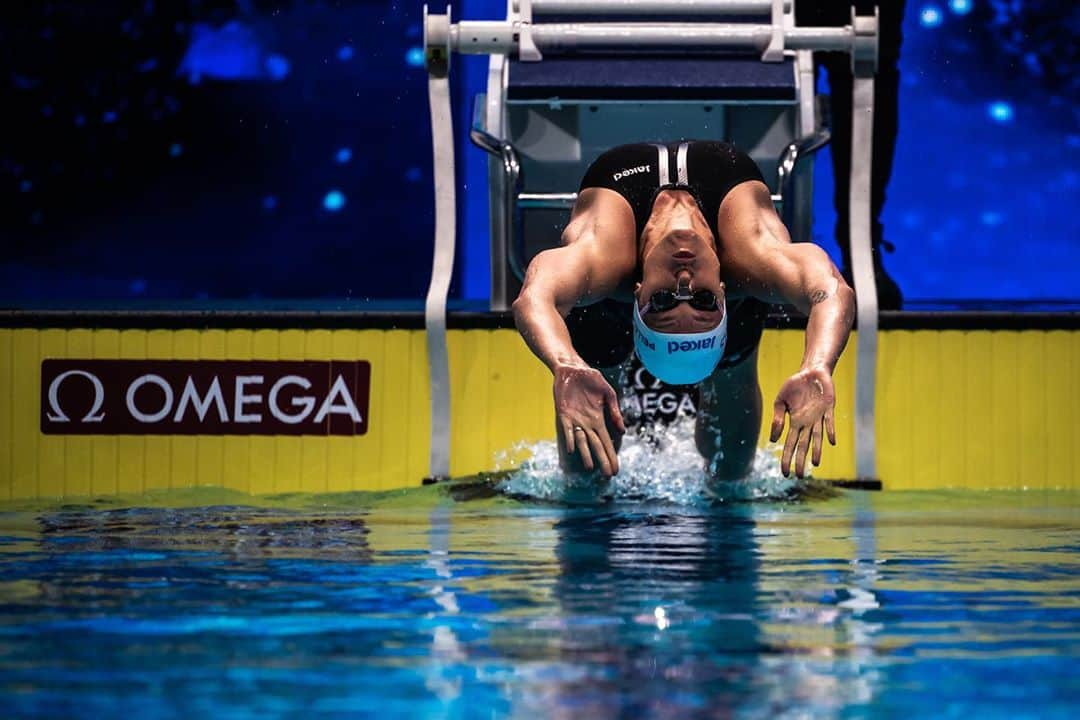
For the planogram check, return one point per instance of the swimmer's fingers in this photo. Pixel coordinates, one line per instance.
(800, 455)
(583, 449)
(779, 408)
(568, 435)
(610, 453)
(816, 441)
(789, 450)
(612, 401)
(597, 446)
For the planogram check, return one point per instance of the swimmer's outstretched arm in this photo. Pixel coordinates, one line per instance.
(763, 262)
(594, 259)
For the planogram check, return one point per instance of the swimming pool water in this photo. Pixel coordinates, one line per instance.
(418, 604)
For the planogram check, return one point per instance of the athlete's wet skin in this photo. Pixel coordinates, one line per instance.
(687, 232)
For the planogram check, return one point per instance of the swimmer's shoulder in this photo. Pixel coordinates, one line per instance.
(602, 234)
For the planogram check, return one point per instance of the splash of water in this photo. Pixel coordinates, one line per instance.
(660, 464)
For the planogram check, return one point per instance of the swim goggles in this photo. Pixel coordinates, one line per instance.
(663, 300)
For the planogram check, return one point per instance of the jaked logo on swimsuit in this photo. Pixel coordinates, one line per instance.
(631, 171)
(687, 345)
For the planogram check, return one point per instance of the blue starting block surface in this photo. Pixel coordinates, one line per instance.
(652, 78)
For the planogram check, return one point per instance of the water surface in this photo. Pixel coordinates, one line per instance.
(419, 604)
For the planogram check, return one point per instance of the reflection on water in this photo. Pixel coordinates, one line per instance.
(859, 605)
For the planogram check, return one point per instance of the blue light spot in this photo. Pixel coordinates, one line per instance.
(345, 53)
(25, 186)
(415, 57)
(176, 150)
(148, 65)
(991, 218)
(108, 117)
(24, 83)
(80, 120)
(1000, 112)
(334, 200)
(343, 155)
(911, 219)
(930, 16)
(1031, 62)
(137, 286)
(277, 66)
(413, 174)
(960, 7)
(231, 52)
(269, 202)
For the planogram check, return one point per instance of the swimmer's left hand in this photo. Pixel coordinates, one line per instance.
(809, 398)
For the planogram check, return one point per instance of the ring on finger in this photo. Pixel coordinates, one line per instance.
(578, 428)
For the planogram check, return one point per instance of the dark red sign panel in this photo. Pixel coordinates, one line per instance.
(204, 397)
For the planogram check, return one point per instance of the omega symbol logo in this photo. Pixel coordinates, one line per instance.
(57, 415)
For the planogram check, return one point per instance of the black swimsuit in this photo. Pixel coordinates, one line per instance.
(602, 333)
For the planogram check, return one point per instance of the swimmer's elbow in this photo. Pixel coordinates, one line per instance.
(520, 306)
(821, 281)
(846, 296)
(529, 301)
(532, 301)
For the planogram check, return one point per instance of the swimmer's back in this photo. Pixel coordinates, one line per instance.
(707, 169)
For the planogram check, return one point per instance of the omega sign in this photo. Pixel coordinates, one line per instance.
(204, 397)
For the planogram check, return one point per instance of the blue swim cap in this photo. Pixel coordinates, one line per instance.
(679, 358)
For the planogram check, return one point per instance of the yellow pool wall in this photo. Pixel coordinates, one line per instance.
(955, 409)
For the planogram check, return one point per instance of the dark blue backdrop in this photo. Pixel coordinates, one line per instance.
(229, 150)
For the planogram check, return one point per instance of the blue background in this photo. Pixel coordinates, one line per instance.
(224, 151)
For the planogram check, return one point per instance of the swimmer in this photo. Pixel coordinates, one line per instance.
(675, 251)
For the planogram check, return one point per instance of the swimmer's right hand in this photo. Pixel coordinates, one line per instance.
(584, 401)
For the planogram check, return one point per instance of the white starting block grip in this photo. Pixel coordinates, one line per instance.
(437, 60)
(864, 65)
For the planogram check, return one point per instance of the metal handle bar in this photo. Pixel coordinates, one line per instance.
(651, 7)
(547, 201)
(484, 37)
(512, 183)
(785, 170)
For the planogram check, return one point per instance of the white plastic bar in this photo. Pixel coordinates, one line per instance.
(734, 8)
(494, 124)
(547, 200)
(482, 37)
(442, 268)
(774, 51)
(862, 263)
